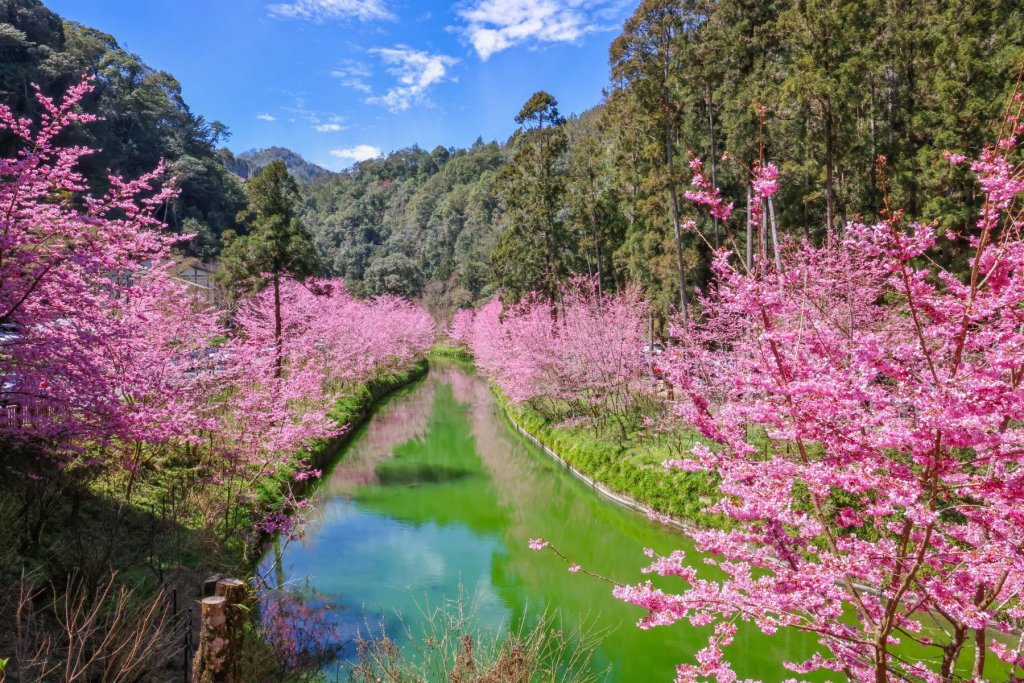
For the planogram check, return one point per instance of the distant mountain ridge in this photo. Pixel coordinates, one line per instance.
(248, 164)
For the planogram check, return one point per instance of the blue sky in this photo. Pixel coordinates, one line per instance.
(342, 80)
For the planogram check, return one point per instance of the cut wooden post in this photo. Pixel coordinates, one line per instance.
(224, 613)
(208, 666)
(234, 591)
(210, 585)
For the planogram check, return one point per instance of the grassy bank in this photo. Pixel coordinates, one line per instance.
(631, 467)
(452, 352)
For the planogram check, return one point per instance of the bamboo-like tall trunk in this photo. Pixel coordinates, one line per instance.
(676, 221)
(775, 235)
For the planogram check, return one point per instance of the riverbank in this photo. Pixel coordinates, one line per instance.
(352, 410)
(626, 470)
(161, 542)
(630, 474)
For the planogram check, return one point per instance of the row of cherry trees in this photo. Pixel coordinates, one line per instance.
(863, 409)
(108, 363)
(584, 351)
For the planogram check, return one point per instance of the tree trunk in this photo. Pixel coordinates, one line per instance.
(714, 148)
(980, 645)
(950, 653)
(674, 202)
(750, 234)
(278, 341)
(597, 252)
(650, 347)
(209, 665)
(762, 237)
(830, 197)
(881, 663)
(775, 235)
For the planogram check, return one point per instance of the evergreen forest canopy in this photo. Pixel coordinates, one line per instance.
(145, 117)
(824, 90)
(821, 89)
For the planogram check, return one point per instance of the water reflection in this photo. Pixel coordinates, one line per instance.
(398, 421)
(437, 494)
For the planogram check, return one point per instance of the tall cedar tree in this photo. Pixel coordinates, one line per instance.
(646, 59)
(277, 244)
(533, 253)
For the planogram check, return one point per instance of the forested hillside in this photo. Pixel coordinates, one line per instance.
(851, 101)
(414, 222)
(144, 117)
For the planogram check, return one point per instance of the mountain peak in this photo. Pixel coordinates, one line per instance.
(247, 164)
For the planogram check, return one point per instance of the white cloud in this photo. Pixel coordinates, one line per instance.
(266, 117)
(357, 153)
(353, 75)
(415, 70)
(496, 25)
(325, 10)
(323, 122)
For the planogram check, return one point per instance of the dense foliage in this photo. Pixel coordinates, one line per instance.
(143, 117)
(411, 223)
(815, 90)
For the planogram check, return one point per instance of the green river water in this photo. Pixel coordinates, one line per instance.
(438, 493)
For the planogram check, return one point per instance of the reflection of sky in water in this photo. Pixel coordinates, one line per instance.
(388, 567)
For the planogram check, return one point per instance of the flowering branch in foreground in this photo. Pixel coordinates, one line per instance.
(871, 453)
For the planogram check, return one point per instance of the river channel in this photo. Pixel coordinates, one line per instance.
(438, 496)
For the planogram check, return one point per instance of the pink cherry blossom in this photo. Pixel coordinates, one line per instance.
(862, 410)
(706, 194)
(537, 544)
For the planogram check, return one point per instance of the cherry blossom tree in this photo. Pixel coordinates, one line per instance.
(863, 407)
(283, 387)
(107, 361)
(590, 353)
(64, 257)
(156, 354)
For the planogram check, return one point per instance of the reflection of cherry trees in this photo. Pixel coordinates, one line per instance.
(392, 424)
(301, 636)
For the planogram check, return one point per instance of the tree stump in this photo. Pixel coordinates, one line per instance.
(210, 585)
(224, 613)
(234, 591)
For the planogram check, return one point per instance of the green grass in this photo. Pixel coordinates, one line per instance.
(456, 352)
(632, 468)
